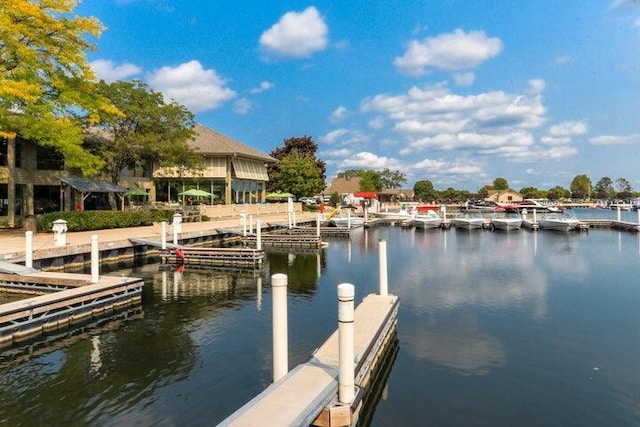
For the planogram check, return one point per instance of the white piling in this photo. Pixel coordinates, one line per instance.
(258, 235)
(444, 213)
(618, 209)
(163, 235)
(384, 284)
(535, 216)
(175, 235)
(349, 218)
(95, 259)
(280, 336)
(250, 224)
(28, 249)
(318, 219)
(638, 216)
(346, 351)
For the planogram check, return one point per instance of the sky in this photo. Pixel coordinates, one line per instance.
(456, 92)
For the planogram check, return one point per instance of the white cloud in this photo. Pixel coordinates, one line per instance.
(264, 86)
(615, 139)
(367, 160)
(296, 35)
(193, 86)
(345, 137)
(555, 140)
(342, 152)
(242, 106)
(563, 59)
(464, 79)
(110, 72)
(339, 114)
(449, 52)
(569, 129)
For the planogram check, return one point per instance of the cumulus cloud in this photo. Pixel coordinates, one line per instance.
(344, 137)
(448, 52)
(296, 35)
(367, 160)
(193, 86)
(109, 71)
(568, 129)
(464, 79)
(615, 139)
(264, 86)
(339, 114)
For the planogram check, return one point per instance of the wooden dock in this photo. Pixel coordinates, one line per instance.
(63, 299)
(307, 395)
(243, 257)
(277, 240)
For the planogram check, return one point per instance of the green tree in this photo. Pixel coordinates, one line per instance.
(392, 179)
(150, 131)
(532, 193)
(298, 174)
(370, 180)
(500, 184)
(557, 193)
(623, 186)
(301, 144)
(46, 84)
(424, 190)
(581, 187)
(604, 188)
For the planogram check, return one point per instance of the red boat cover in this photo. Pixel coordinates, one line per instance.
(365, 194)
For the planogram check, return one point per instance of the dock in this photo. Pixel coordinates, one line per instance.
(307, 395)
(62, 300)
(244, 257)
(278, 240)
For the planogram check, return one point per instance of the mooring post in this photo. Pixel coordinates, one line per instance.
(346, 351)
(163, 235)
(258, 235)
(535, 217)
(349, 218)
(384, 283)
(28, 250)
(318, 224)
(280, 336)
(638, 211)
(250, 224)
(444, 213)
(618, 209)
(95, 259)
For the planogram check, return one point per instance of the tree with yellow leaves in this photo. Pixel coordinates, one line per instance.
(46, 85)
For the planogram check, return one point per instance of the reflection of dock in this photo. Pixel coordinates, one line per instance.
(307, 394)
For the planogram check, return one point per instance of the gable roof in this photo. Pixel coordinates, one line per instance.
(85, 185)
(345, 185)
(208, 141)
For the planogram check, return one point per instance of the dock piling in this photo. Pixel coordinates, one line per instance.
(280, 336)
(346, 352)
(382, 254)
(28, 251)
(258, 235)
(95, 259)
(163, 235)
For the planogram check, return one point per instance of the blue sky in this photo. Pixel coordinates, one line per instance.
(456, 92)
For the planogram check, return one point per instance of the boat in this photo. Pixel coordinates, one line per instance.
(558, 221)
(530, 205)
(427, 219)
(469, 220)
(506, 219)
(404, 213)
(347, 221)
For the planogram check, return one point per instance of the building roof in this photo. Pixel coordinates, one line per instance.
(345, 185)
(85, 185)
(208, 141)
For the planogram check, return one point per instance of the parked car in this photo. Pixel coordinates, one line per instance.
(307, 200)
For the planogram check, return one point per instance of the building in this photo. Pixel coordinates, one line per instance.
(33, 179)
(504, 196)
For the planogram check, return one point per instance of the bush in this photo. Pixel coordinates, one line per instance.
(98, 220)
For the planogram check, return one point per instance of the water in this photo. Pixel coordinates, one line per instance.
(515, 328)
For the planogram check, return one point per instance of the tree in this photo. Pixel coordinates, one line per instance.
(557, 193)
(623, 186)
(46, 84)
(581, 187)
(370, 180)
(392, 179)
(150, 131)
(301, 144)
(532, 193)
(299, 174)
(424, 190)
(500, 184)
(604, 188)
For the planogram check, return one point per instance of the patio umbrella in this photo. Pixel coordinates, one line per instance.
(194, 192)
(136, 192)
(278, 195)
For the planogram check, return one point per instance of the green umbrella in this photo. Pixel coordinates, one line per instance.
(136, 192)
(194, 192)
(279, 195)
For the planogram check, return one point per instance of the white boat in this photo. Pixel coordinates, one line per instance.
(427, 220)
(558, 221)
(530, 205)
(469, 220)
(506, 219)
(347, 221)
(404, 213)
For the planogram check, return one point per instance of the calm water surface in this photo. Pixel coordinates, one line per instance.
(516, 328)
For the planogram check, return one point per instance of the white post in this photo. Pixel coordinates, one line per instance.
(318, 224)
(258, 235)
(163, 235)
(383, 268)
(293, 214)
(346, 352)
(444, 213)
(280, 337)
(535, 216)
(175, 235)
(366, 214)
(250, 224)
(95, 259)
(638, 211)
(348, 218)
(28, 249)
(618, 209)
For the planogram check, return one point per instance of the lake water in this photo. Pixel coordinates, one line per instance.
(495, 329)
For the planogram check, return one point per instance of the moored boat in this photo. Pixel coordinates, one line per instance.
(558, 221)
(427, 220)
(469, 220)
(506, 219)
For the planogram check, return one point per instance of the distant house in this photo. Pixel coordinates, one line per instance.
(396, 195)
(504, 196)
(343, 186)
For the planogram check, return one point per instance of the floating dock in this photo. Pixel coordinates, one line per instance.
(244, 257)
(63, 299)
(307, 395)
(277, 240)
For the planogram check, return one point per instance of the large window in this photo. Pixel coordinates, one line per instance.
(244, 191)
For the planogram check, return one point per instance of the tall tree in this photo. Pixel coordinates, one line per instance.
(604, 188)
(557, 193)
(623, 186)
(150, 131)
(46, 84)
(581, 187)
(299, 175)
(532, 193)
(424, 190)
(392, 179)
(301, 144)
(500, 184)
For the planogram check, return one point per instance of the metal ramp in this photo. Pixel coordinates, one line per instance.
(12, 268)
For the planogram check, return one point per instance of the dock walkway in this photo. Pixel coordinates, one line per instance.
(301, 396)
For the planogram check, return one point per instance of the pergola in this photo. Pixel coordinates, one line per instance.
(86, 186)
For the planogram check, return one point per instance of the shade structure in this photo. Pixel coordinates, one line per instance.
(279, 195)
(194, 192)
(136, 192)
